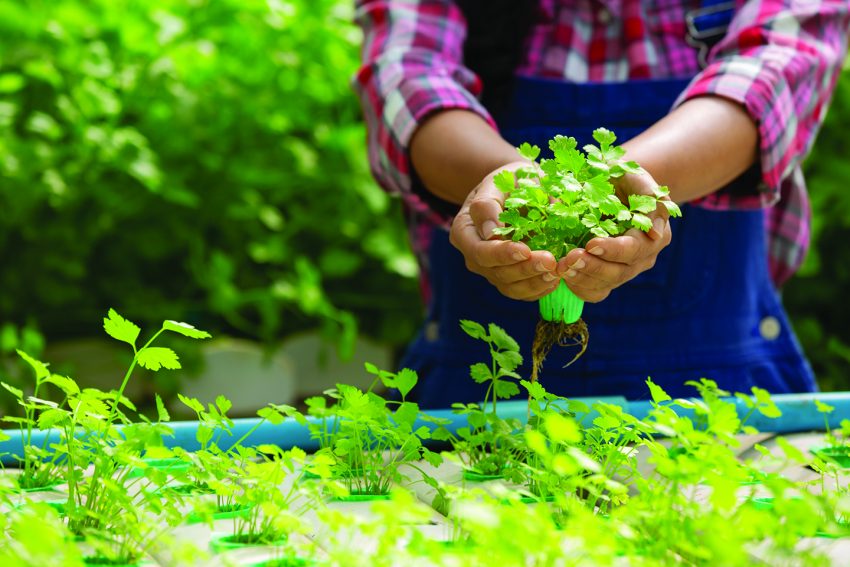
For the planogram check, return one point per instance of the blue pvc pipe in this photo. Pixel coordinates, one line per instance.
(799, 413)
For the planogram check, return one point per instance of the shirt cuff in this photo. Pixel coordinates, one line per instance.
(405, 108)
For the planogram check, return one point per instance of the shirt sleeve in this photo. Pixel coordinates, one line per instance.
(412, 66)
(781, 61)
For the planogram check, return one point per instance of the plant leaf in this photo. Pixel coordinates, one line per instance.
(40, 368)
(528, 151)
(473, 329)
(155, 358)
(641, 221)
(161, 412)
(185, 329)
(405, 380)
(502, 339)
(120, 329)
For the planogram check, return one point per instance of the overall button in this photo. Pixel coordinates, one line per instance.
(770, 328)
(432, 331)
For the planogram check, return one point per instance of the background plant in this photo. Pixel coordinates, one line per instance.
(254, 220)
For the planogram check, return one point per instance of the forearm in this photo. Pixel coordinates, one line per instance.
(453, 150)
(698, 148)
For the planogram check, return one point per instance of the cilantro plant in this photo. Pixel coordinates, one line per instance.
(369, 437)
(560, 204)
(41, 468)
(489, 443)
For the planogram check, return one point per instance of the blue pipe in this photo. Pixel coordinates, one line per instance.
(799, 413)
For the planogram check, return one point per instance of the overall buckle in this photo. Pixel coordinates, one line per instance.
(707, 26)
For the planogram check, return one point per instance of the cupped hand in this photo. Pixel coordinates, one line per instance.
(604, 264)
(515, 270)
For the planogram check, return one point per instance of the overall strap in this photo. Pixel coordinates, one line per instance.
(495, 35)
(707, 25)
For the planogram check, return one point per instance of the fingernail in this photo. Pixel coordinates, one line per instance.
(540, 267)
(571, 273)
(597, 251)
(518, 256)
(658, 226)
(487, 229)
(579, 264)
(549, 277)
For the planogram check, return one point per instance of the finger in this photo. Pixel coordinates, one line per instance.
(588, 295)
(528, 290)
(495, 253)
(660, 223)
(484, 210)
(541, 263)
(628, 248)
(590, 272)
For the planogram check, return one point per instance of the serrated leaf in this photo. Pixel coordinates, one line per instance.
(161, 412)
(672, 208)
(50, 417)
(19, 394)
(155, 358)
(566, 154)
(604, 137)
(501, 339)
(480, 372)
(642, 203)
(505, 181)
(120, 329)
(641, 222)
(657, 392)
(505, 390)
(63, 383)
(596, 189)
(271, 415)
(191, 403)
(40, 368)
(405, 380)
(508, 360)
(406, 414)
(529, 151)
(185, 329)
(223, 404)
(473, 329)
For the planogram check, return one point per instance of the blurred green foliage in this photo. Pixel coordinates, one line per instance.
(817, 297)
(200, 160)
(204, 160)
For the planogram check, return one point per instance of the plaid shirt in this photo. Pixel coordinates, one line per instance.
(780, 59)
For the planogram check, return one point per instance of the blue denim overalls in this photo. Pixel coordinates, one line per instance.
(707, 308)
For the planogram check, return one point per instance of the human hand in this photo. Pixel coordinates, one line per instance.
(515, 270)
(604, 264)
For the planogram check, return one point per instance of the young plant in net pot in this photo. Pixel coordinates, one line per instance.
(561, 204)
(369, 437)
(489, 443)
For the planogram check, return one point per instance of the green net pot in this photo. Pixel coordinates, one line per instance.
(285, 562)
(99, 560)
(226, 512)
(838, 455)
(225, 542)
(166, 465)
(475, 476)
(362, 497)
(561, 306)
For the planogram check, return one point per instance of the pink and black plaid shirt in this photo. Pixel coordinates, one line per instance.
(780, 59)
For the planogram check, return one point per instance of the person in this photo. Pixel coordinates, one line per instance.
(720, 101)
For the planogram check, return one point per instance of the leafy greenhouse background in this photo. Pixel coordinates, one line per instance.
(204, 161)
